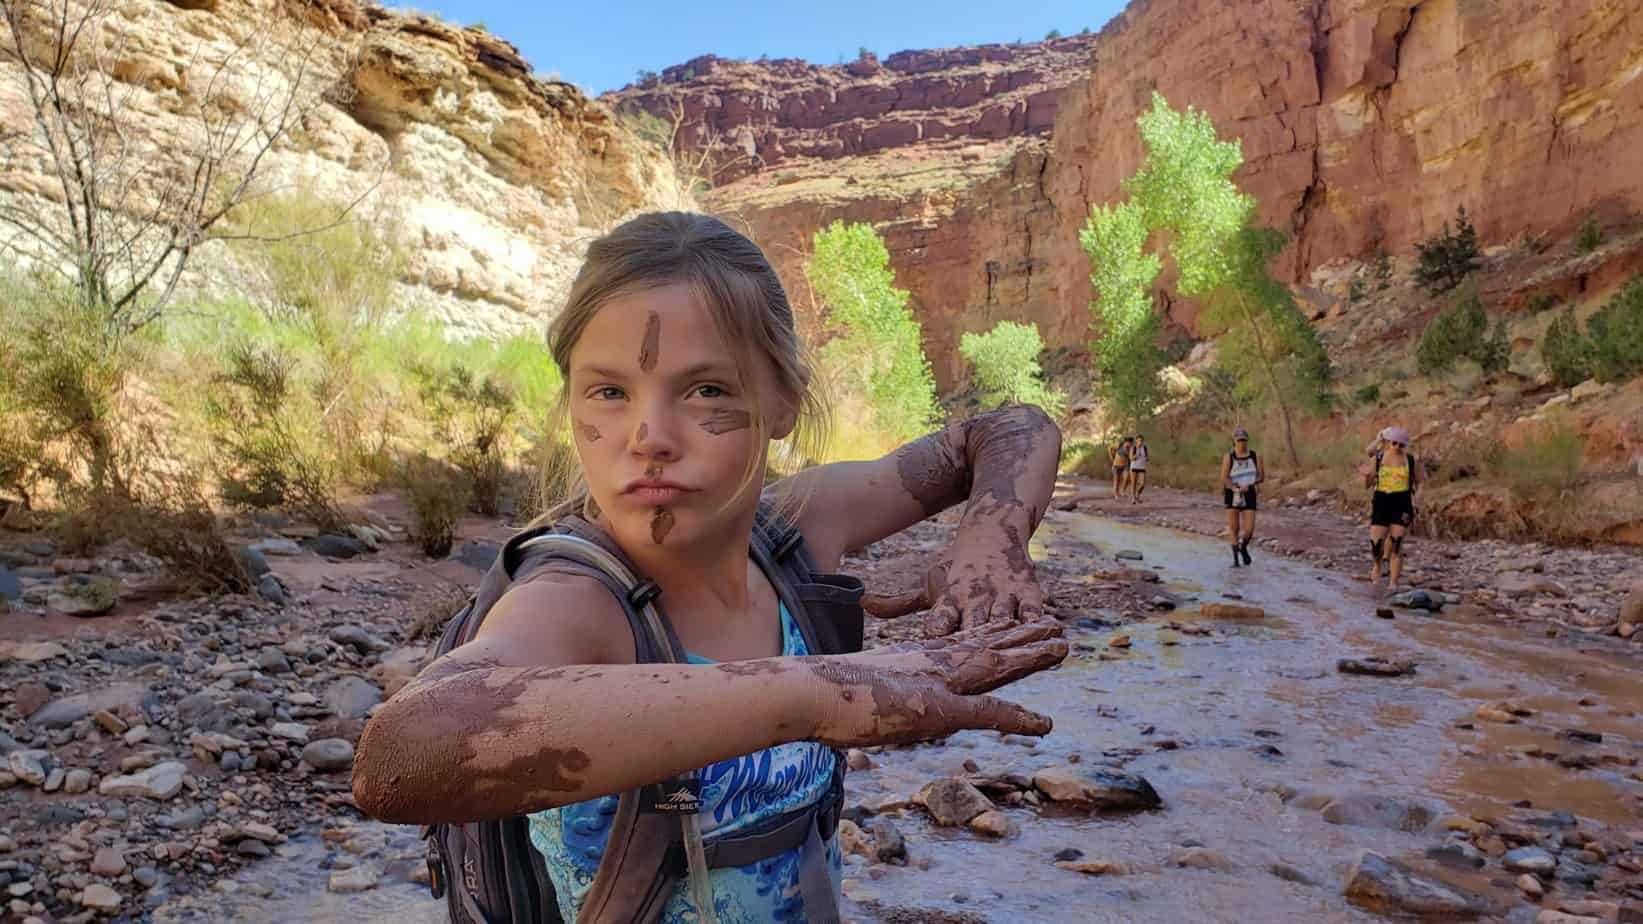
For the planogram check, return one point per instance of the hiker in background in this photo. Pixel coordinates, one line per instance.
(1241, 471)
(1138, 468)
(1121, 469)
(681, 365)
(1394, 474)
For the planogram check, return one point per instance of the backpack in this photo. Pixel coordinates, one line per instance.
(489, 873)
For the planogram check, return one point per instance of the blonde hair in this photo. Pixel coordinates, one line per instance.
(731, 277)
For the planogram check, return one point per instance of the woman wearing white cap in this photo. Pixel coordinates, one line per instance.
(1395, 476)
(1241, 471)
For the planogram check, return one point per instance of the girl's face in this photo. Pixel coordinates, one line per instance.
(662, 420)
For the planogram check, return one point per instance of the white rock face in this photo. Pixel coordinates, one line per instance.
(492, 181)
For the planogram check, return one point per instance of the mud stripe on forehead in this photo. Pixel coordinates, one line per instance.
(651, 346)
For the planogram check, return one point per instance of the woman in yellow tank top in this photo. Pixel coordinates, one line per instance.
(1395, 475)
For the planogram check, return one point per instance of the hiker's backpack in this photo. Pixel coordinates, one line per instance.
(489, 873)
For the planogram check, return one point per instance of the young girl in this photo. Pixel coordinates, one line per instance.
(680, 365)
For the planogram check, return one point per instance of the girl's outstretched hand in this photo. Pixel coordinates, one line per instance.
(916, 691)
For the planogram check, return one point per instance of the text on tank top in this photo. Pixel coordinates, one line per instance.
(1242, 472)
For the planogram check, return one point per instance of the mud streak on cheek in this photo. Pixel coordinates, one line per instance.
(589, 431)
(726, 420)
(650, 348)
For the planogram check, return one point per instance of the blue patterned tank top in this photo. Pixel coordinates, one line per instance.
(736, 793)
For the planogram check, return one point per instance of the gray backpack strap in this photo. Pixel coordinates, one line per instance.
(632, 882)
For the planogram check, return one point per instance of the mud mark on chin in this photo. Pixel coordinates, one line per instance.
(652, 344)
(726, 420)
(661, 523)
(653, 470)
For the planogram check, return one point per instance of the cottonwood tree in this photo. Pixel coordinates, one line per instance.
(125, 210)
(1184, 189)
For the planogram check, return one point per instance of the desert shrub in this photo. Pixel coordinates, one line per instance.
(1006, 367)
(1462, 332)
(1616, 335)
(471, 416)
(1470, 455)
(267, 454)
(1590, 237)
(438, 493)
(1449, 257)
(1542, 303)
(1185, 459)
(1368, 394)
(1566, 351)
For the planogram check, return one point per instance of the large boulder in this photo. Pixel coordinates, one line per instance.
(1389, 888)
(1103, 790)
(953, 802)
(161, 781)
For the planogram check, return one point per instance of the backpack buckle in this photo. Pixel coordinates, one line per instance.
(642, 594)
(436, 865)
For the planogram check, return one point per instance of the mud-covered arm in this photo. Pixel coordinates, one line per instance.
(1002, 463)
(472, 740)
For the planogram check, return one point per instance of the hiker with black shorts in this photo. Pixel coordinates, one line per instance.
(1241, 471)
(1121, 469)
(641, 712)
(1138, 468)
(1395, 476)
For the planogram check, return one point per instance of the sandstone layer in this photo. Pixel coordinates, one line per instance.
(492, 179)
(1364, 125)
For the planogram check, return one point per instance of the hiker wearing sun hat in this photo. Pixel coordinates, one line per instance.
(1241, 471)
(1395, 477)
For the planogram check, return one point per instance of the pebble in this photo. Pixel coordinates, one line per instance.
(994, 823)
(161, 781)
(1388, 888)
(108, 862)
(1529, 860)
(357, 879)
(1530, 886)
(953, 802)
(1092, 867)
(100, 897)
(329, 755)
(889, 846)
(1097, 788)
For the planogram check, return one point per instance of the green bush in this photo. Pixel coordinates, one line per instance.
(1454, 334)
(471, 416)
(1590, 237)
(878, 354)
(268, 453)
(1006, 367)
(1566, 351)
(1459, 333)
(1447, 259)
(1369, 394)
(1616, 335)
(438, 493)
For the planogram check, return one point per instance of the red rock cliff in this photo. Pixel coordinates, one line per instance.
(1365, 123)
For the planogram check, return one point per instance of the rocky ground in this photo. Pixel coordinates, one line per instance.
(156, 749)
(1561, 589)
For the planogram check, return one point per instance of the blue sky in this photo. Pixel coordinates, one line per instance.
(602, 45)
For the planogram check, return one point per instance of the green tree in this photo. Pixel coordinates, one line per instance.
(878, 352)
(1566, 351)
(1127, 355)
(1616, 335)
(1448, 258)
(1185, 188)
(1006, 367)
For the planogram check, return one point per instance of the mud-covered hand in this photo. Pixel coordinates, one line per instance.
(916, 691)
(990, 578)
